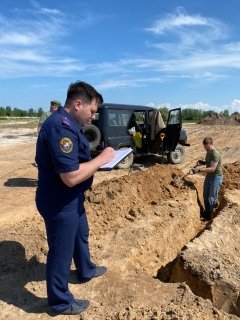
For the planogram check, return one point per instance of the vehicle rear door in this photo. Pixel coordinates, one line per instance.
(115, 130)
(173, 128)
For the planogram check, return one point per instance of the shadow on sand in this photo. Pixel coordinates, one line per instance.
(15, 273)
(21, 182)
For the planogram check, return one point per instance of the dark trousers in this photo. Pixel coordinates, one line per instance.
(67, 234)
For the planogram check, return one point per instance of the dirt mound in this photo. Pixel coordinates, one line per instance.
(236, 116)
(231, 175)
(137, 206)
(218, 119)
(129, 196)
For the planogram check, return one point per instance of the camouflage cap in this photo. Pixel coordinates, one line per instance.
(55, 103)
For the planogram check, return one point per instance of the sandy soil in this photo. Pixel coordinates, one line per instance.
(163, 261)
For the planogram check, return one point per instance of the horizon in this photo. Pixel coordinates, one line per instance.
(40, 109)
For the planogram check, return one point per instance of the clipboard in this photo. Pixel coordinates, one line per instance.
(120, 154)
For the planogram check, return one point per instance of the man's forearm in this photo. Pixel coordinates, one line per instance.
(207, 170)
(85, 171)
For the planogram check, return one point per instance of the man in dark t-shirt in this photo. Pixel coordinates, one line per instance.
(214, 176)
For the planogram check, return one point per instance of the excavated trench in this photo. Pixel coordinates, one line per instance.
(209, 264)
(155, 217)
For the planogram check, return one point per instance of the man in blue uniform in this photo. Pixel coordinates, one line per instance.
(65, 172)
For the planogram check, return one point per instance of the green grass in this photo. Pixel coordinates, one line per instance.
(16, 123)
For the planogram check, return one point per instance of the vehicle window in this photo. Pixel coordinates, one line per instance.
(136, 120)
(140, 117)
(174, 117)
(118, 117)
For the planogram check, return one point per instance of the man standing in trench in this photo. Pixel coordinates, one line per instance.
(214, 176)
(65, 172)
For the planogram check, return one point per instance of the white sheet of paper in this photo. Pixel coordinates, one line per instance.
(119, 156)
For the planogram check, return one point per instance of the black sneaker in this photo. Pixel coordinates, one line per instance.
(205, 216)
(206, 219)
(77, 307)
(99, 272)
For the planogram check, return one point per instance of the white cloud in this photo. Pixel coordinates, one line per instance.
(180, 32)
(110, 84)
(199, 105)
(203, 61)
(139, 82)
(22, 55)
(28, 44)
(38, 33)
(200, 65)
(200, 51)
(234, 106)
(180, 19)
(236, 103)
(33, 39)
(37, 9)
(161, 105)
(19, 39)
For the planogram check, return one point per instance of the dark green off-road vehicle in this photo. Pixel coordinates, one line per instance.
(139, 127)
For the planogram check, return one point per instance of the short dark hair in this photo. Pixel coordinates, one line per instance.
(84, 91)
(207, 140)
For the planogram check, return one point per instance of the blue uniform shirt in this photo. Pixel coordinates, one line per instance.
(61, 147)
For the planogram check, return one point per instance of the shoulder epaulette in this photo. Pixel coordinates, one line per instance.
(66, 121)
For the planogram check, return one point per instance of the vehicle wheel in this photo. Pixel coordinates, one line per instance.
(93, 136)
(126, 162)
(177, 155)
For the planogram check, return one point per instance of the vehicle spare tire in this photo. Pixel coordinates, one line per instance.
(93, 135)
(177, 155)
(126, 162)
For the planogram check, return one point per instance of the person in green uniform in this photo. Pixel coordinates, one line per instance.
(53, 107)
(212, 167)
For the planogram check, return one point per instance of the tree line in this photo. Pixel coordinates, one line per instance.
(16, 112)
(195, 115)
(188, 114)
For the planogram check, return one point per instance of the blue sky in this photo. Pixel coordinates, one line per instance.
(157, 52)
